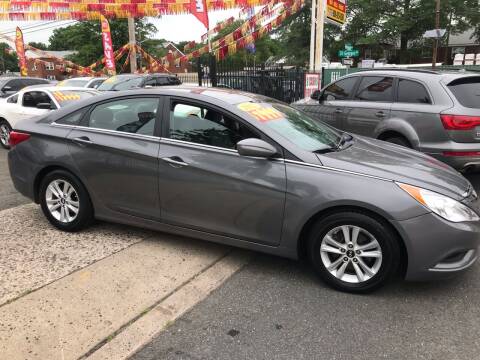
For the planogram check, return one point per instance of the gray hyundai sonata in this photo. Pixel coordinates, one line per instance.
(248, 171)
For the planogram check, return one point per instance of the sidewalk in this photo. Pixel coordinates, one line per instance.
(116, 288)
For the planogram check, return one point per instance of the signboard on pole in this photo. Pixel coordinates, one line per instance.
(20, 47)
(348, 53)
(312, 83)
(108, 47)
(336, 11)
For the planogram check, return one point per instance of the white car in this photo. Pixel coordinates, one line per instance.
(84, 82)
(34, 101)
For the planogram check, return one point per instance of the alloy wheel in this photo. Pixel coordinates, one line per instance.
(4, 134)
(351, 254)
(62, 201)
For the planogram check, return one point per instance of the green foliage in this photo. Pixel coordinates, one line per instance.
(38, 45)
(85, 38)
(8, 62)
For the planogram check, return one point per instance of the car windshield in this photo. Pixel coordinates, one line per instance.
(74, 82)
(69, 97)
(293, 125)
(118, 83)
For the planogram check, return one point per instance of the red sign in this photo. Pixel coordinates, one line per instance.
(200, 11)
(312, 83)
(22, 60)
(108, 47)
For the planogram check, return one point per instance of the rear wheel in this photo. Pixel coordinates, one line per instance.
(353, 252)
(399, 140)
(65, 201)
(5, 130)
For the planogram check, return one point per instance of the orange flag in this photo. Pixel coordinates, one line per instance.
(22, 60)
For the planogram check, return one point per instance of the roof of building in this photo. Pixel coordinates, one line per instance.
(59, 54)
(463, 39)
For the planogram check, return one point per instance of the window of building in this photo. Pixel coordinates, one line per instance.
(49, 66)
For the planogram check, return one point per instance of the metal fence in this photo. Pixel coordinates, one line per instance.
(279, 82)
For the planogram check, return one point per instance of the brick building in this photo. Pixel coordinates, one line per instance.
(49, 68)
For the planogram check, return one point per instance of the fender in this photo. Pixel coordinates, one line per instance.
(400, 126)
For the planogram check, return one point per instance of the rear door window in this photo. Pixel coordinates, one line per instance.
(412, 92)
(467, 91)
(341, 90)
(375, 88)
(136, 115)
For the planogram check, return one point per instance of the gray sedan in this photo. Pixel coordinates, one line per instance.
(247, 171)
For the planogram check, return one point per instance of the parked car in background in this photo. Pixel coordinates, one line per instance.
(34, 101)
(138, 81)
(246, 170)
(85, 82)
(437, 113)
(10, 85)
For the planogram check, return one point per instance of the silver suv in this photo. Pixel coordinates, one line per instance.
(437, 113)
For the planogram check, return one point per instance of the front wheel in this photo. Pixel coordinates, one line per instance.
(65, 201)
(353, 252)
(5, 130)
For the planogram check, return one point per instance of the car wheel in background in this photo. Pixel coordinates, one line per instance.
(5, 130)
(399, 141)
(65, 201)
(353, 252)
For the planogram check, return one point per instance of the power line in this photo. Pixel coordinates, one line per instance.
(28, 27)
(41, 27)
(51, 27)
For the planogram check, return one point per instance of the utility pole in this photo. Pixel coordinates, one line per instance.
(437, 27)
(133, 42)
(312, 36)
(319, 35)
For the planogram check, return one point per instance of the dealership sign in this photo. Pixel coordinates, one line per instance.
(336, 11)
(312, 83)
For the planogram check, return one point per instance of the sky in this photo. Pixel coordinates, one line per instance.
(170, 27)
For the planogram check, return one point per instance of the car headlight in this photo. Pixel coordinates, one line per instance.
(447, 208)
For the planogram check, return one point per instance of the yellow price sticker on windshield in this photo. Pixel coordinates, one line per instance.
(261, 113)
(61, 97)
(110, 80)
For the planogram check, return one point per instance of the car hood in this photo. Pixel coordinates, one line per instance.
(397, 163)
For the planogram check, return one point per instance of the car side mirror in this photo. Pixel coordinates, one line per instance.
(255, 148)
(44, 106)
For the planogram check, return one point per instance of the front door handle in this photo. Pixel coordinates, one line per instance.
(175, 161)
(380, 114)
(338, 110)
(82, 140)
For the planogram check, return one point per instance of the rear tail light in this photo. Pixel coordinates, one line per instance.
(459, 122)
(461, 153)
(17, 137)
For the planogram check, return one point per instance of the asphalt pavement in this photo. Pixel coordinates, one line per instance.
(277, 309)
(9, 197)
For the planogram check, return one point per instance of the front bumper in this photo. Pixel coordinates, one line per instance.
(437, 248)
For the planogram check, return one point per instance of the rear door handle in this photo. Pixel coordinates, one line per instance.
(338, 110)
(175, 161)
(380, 114)
(82, 140)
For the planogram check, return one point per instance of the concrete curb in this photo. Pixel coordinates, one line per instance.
(145, 328)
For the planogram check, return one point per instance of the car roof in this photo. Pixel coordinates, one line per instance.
(420, 74)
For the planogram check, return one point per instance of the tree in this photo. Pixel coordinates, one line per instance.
(38, 45)
(85, 38)
(8, 59)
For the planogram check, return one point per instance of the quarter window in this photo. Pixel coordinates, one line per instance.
(375, 88)
(412, 92)
(135, 116)
(341, 90)
(205, 126)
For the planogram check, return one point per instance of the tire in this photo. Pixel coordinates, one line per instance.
(61, 213)
(381, 239)
(399, 140)
(5, 130)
